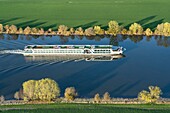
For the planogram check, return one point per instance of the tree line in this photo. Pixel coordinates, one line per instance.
(113, 29)
(48, 90)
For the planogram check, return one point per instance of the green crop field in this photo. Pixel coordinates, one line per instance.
(85, 13)
(85, 108)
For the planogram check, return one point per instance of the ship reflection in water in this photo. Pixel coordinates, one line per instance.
(66, 58)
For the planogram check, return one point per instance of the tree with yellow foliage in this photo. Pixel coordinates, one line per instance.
(106, 97)
(136, 29)
(47, 89)
(44, 89)
(163, 29)
(1, 28)
(70, 93)
(98, 30)
(79, 31)
(148, 32)
(27, 30)
(114, 28)
(29, 90)
(89, 32)
(150, 96)
(97, 98)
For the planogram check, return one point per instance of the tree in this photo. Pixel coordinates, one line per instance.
(70, 93)
(12, 29)
(6, 28)
(150, 96)
(62, 29)
(97, 98)
(29, 90)
(1, 28)
(98, 30)
(163, 29)
(124, 31)
(136, 29)
(47, 89)
(106, 97)
(89, 32)
(2, 99)
(44, 89)
(16, 95)
(41, 31)
(79, 31)
(20, 31)
(72, 31)
(27, 30)
(34, 30)
(114, 28)
(148, 32)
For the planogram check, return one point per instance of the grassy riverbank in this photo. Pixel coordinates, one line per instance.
(85, 108)
(74, 13)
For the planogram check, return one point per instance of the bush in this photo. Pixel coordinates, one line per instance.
(13, 29)
(70, 93)
(20, 31)
(150, 96)
(136, 29)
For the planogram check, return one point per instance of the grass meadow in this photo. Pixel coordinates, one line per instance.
(84, 108)
(84, 13)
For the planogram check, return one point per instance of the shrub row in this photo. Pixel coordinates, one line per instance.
(113, 29)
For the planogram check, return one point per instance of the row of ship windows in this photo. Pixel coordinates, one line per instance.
(56, 51)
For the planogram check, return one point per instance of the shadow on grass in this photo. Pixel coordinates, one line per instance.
(85, 26)
(25, 24)
(2, 21)
(53, 26)
(153, 25)
(142, 21)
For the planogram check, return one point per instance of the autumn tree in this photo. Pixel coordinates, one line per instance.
(150, 96)
(1, 28)
(41, 31)
(13, 29)
(44, 89)
(70, 93)
(148, 32)
(136, 29)
(72, 30)
(98, 30)
(47, 89)
(29, 90)
(163, 29)
(34, 30)
(16, 95)
(62, 29)
(79, 31)
(97, 98)
(2, 99)
(89, 32)
(106, 97)
(20, 31)
(6, 28)
(27, 30)
(114, 28)
(124, 31)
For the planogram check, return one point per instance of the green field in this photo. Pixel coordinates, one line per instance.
(85, 13)
(85, 108)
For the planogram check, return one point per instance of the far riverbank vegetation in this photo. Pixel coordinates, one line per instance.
(113, 29)
(48, 91)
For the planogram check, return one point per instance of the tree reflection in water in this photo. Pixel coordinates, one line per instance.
(161, 41)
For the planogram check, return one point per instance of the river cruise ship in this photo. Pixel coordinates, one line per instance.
(43, 50)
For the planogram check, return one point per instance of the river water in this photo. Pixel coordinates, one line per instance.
(146, 62)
